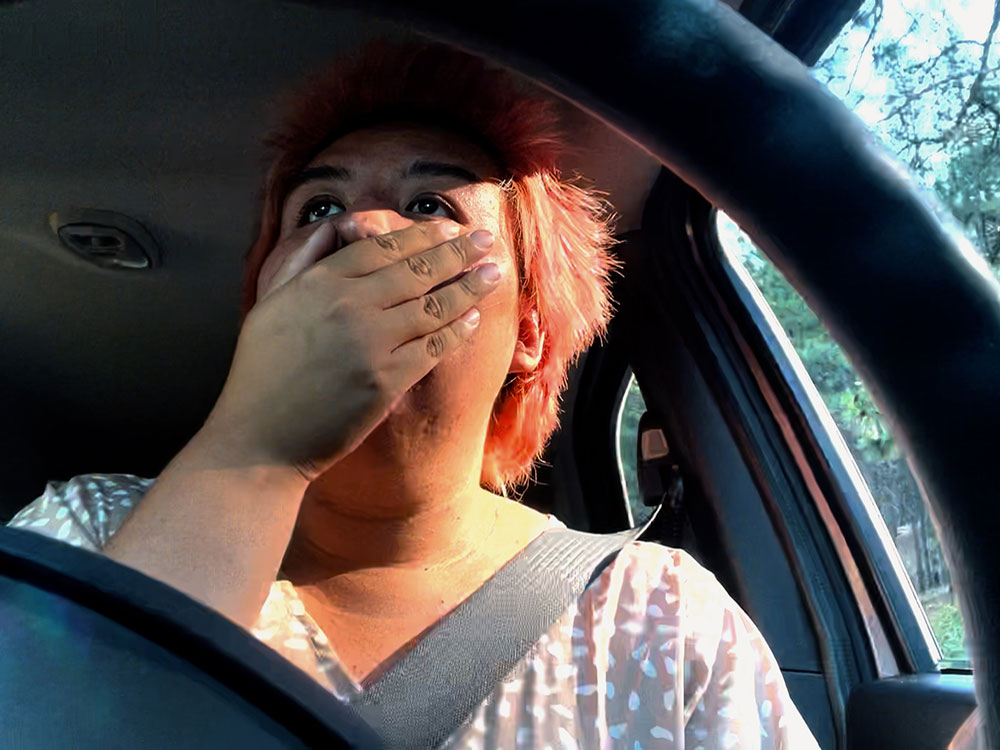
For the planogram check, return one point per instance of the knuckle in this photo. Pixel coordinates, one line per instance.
(436, 344)
(433, 307)
(458, 250)
(389, 243)
(420, 266)
(469, 284)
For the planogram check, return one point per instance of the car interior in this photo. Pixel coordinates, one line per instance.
(130, 170)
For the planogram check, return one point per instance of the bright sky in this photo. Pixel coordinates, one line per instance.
(967, 19)
(923, 28)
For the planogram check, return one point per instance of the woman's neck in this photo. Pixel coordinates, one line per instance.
(380, 595)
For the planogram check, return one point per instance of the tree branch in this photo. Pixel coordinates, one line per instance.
(927, 66)
(912, 96)
(876, 17)
(977, 84)
(993, 110)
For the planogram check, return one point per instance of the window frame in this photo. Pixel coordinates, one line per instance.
(619, 458)
(623, 392)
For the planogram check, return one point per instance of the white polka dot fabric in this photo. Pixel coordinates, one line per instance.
(654, 654)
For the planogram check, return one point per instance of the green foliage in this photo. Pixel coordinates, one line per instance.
(949, 630)
(843, 393)
(871, 437)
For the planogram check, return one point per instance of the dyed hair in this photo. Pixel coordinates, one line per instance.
(560, 232)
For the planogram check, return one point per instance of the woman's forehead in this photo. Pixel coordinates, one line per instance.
(400, 144)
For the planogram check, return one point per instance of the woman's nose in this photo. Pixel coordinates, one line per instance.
(357, 225)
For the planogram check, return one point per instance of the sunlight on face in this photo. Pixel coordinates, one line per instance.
(377, 180)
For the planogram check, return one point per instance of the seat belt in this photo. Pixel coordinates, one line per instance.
(435, 688)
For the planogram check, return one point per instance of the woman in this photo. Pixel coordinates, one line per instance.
(421, 281)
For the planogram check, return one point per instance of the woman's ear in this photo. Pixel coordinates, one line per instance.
(529, 346)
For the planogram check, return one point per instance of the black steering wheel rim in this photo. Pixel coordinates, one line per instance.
(743, 122)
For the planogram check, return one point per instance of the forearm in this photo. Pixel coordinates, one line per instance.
(215, 525)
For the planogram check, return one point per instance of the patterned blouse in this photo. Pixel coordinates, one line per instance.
(653, 654)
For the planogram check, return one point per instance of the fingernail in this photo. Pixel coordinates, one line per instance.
(471, 317)
(452, 230)
(482, 238)
(489, 271)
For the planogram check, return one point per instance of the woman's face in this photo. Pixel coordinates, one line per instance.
(452, 404)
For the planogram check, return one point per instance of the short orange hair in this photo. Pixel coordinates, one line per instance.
(560, 232)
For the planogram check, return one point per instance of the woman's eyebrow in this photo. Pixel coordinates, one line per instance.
(329, 172)
(440, 169)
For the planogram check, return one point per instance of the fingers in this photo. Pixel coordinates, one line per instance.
(419, 356)
(425, 314)
(415, 275)
(367, 256)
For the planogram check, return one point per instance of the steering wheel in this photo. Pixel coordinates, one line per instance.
(740, 120)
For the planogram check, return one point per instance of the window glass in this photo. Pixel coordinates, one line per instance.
(630, 411)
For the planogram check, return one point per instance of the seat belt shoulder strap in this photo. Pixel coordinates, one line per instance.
(432, 690)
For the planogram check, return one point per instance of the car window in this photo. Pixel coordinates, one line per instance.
(630, 410)
(924, 76)
(901, 508)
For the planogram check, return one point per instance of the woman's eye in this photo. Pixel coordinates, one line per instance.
(429, 201)
(322, 207)
(316, 209)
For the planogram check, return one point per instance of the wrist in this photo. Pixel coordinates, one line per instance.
(226, 447)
